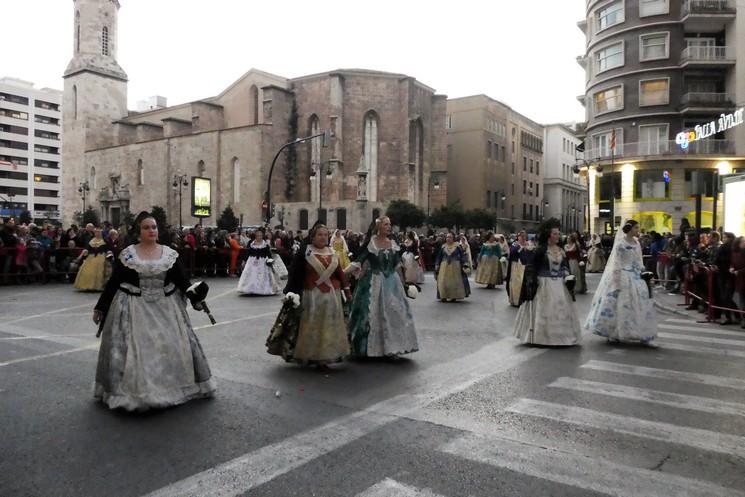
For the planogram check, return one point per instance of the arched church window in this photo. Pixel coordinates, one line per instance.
(236, 181)
(77, 31)
(315, 158)
(105, 41)
(201, 168)
(74, 102)
(140, 173)
(370, 154)
(254, 104)
(93, 178)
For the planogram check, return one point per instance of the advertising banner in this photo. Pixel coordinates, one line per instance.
(201, 197)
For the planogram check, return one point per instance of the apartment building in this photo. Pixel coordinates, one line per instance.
(30, 150)
(565, 191)
(664, 96)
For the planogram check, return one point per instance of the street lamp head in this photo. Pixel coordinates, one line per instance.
(436, 185)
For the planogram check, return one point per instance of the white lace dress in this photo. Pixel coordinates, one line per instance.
(258, 278)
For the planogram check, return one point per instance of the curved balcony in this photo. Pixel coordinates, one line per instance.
(636, 150)
(707, 57)
(707, 16)
(696, 102)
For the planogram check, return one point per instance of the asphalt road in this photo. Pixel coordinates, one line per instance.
(471, 414)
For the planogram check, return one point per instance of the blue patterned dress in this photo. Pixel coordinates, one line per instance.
(622, 308)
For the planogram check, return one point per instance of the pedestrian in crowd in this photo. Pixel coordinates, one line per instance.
(411, 259)
(622, 308)
(340, 248)
(489, 269)
(96, 267)
(258, 277)
(380, 321)
(737, 270)
(723, 279)
(310, 328)
(574, 249)
(595, 256)
(150, 356)
(452, 268)
(516, 268)
(547, 315)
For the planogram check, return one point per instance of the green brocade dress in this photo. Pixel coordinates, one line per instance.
(380, 320)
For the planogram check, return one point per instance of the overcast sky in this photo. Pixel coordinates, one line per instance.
(519, 52)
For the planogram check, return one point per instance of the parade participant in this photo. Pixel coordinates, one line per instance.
(622, 308)
(314, 332)
(516, 268)
(547, 315)
(339, 245)
(452, 267)
(737, 270)
(94, 273)
(503, 261)
(489, 269)
(380, 320)
(258, 278)
(150, 356)
(411, 259)
(595, 256)
(466, 245)
(576, 255)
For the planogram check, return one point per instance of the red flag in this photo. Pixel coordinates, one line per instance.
(613, 140)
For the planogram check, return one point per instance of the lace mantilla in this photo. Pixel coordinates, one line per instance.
(131, 260)
(374, 249)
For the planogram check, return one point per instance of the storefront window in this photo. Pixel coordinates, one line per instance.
(604, 186)
(651, 184)
(700, 181)
(661, 222)
(706, 218)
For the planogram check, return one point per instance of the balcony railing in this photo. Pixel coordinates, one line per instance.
(708, 7)
(707, 54)
(668, 147)
(701, 99)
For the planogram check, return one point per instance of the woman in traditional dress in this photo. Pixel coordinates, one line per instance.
(258, 278)
(576, 255)
(595, 256)
(95, 271)
(503, 261)
(622, 308)
(547, 315)
(411, 259)
(489, 269)
(452, 268)
(516, 268)
(380, 320)
(316, 283)
(339, 245)
(149, 356)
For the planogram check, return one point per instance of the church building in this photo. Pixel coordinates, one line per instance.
(388, 139)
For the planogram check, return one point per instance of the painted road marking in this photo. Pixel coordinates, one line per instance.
(590, 473)
(392, 488)
(53, 354)
(43, 337)
(246, 318)
(666, 374)
(681, 401)
(34, 316)
(664, 432)
(708, 340)
(707, 330)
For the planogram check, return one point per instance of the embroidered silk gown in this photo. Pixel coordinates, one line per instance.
(451, 266)
(489, 270)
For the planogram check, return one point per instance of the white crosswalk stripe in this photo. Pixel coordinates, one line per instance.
(708, 330)
(706, 339)
(392, 488)
(654, 430)
(695, 348)
(666, 374)
(690, 402)
(579, 471)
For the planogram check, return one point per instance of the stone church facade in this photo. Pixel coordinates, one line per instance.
(388, 140)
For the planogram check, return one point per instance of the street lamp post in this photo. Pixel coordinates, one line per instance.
(434, 183)
(327, 135)
(83, 189)
(180, 181)
(316, 173)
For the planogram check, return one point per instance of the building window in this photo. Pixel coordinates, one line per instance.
(513, 168)
(105, 41)
(503, 154)
(253, 106)
(201, 168)
(651, 184)
(525, 187)
(140, 173)
(653, 139)
(303, 219)
(75, 102)
(531, 165)
(513, 188)
(654, 46)
(537, 190)
(92, 179)
(236, 181)
(530, 211)
(525, 163)
(513, 146)
(449, 121)
(370, 154)
(488, 149)
(653, 7)
(604, 186)
(699, 181)
(609, 57)
(341, 219)
(610, 15)
(608, 100)
(603, 142)
(654, 92)
(322, 216)
(525, 210)
(488, 199)
(537, 167)
(77, 31)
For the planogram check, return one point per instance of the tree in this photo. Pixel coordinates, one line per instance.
(159, 214)
(404, 214)
(480, 219)
(25, 217)
(227, 220)
(448, 216)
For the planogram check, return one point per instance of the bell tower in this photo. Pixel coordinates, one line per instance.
(95, 93)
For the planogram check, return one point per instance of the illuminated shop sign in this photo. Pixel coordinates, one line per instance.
(725, 122)
(201, 189)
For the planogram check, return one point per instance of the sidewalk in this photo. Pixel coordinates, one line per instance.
(671, 304)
